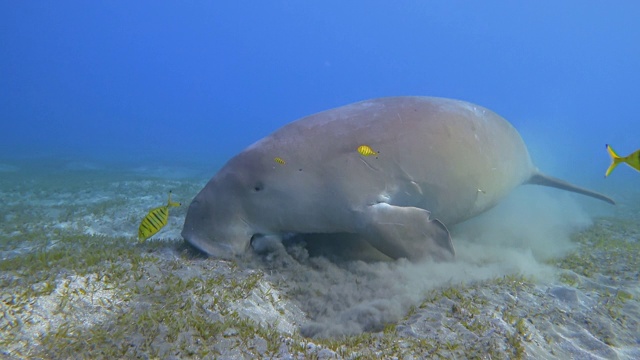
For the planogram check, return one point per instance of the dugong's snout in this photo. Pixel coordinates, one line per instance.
(212, 230)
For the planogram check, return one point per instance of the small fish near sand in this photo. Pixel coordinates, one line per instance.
(155, 220)
(632, 160)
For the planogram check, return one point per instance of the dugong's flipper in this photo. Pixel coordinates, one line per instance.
(406, 232)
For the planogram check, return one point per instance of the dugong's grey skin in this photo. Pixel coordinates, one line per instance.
(439, 162)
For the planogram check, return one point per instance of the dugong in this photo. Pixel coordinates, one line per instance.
(395, 172)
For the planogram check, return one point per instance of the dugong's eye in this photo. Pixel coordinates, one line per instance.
(258, 186)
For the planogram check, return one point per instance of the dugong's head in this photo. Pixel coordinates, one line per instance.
(251, 196)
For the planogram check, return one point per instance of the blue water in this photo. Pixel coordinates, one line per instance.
(168, 82)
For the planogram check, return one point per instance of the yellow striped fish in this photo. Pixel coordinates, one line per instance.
(366, 150)
(155, 220)
(279, 161)
(632, 160)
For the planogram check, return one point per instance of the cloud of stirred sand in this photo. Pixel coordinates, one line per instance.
(532, 225)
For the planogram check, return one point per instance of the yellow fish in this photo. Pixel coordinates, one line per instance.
(279, 161)
(632, 160)
(155, 220)
(366, 150)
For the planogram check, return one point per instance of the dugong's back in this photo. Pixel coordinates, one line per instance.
(450, 157)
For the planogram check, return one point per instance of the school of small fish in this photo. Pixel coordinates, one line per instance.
(157, 218)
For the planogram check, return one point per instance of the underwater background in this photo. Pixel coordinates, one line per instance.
(106, 106)
(160, 82)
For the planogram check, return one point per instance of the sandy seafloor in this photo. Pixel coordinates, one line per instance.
(561, 282)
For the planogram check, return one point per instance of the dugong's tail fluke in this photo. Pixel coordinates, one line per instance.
(540, 179)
